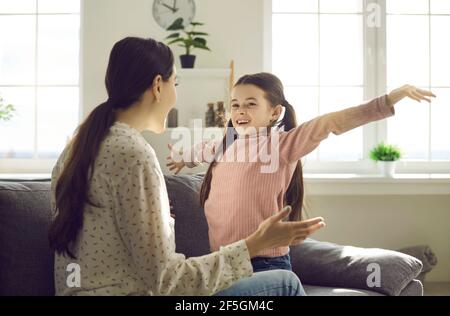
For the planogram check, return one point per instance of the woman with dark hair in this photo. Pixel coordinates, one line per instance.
(112, 213)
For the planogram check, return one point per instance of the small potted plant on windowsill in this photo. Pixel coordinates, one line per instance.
(386, 157)
(6, 111)
(190, 40)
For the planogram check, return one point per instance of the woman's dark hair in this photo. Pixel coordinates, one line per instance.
(274, 93)
(133, 65)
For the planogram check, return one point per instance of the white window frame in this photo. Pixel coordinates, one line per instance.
(36, 165)
(375, 75)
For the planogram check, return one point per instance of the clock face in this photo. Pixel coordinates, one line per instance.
(166, 12)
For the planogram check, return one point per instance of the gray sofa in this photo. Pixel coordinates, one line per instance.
(326, 269)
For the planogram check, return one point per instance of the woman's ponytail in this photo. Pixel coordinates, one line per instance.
(73, 183)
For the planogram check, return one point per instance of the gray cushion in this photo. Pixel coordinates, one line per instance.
(191, 228)
(26, 262)
(328, 264)
(414, 288)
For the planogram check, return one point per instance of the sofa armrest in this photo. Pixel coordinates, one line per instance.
(327, 264)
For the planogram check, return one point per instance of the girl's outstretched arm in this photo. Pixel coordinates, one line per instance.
(302, 140)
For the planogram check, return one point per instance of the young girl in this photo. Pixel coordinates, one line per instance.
(238, 195)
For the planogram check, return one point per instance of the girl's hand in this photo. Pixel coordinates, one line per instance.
(177, 165)
(411, 92)
(273, 232)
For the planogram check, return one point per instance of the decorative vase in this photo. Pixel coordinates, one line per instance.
(210, 116)
(387, 168)
(220, 114)
(187, 61)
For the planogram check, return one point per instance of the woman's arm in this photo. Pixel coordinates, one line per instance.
(146, 228)
(302, 140)
(148, 232)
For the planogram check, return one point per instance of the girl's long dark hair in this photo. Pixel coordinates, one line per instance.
(133, 65)
(274, 93)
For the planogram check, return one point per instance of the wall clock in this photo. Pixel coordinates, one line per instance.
(165, 12)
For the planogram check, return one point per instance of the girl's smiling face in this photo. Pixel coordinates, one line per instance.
(250, 110)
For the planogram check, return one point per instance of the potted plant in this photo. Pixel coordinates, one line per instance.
(6, 111)
(386, 157)
(188, 39)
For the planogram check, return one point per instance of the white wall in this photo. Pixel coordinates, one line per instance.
(236, 33)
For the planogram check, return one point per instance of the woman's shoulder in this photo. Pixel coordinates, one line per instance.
(123, 149)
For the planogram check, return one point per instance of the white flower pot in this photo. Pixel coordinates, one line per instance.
(387, 168)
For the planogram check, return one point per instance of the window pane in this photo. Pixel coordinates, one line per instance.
(17, 135)
(440, 6)
(348, 146)
(17, 50)
(15, 6)
(59, 6)
(59, 49)
(341, 50)
(440, 129)
(409, 129)
(306, 104)
(295, 60)
(408, 50)
(58, 117)
(440, 51)
(407, 6)
(295, 6)
(341, 6)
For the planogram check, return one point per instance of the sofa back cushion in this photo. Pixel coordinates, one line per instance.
(26, 262)
(328, 264)
(191, 227)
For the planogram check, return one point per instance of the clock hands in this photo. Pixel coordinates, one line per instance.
(173, 8)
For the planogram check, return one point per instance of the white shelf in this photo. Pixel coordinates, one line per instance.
(204, 73)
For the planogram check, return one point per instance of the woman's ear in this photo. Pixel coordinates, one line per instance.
(157, 87)
(276, 113)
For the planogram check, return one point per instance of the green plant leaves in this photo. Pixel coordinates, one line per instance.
(174, 35)
(177, 25)
(197, 33)
(200, 43)
(385, 152)
(6, 111)
(191, 39)
(176, 41)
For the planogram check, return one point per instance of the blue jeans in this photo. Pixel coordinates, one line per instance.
(265, 263)
(267, 283)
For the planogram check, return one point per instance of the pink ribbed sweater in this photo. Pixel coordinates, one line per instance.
(243, 194)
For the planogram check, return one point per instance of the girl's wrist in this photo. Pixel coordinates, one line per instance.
(396, 96)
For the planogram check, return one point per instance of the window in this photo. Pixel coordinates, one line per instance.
(39, 75)
(331, 55)
(425, 62)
